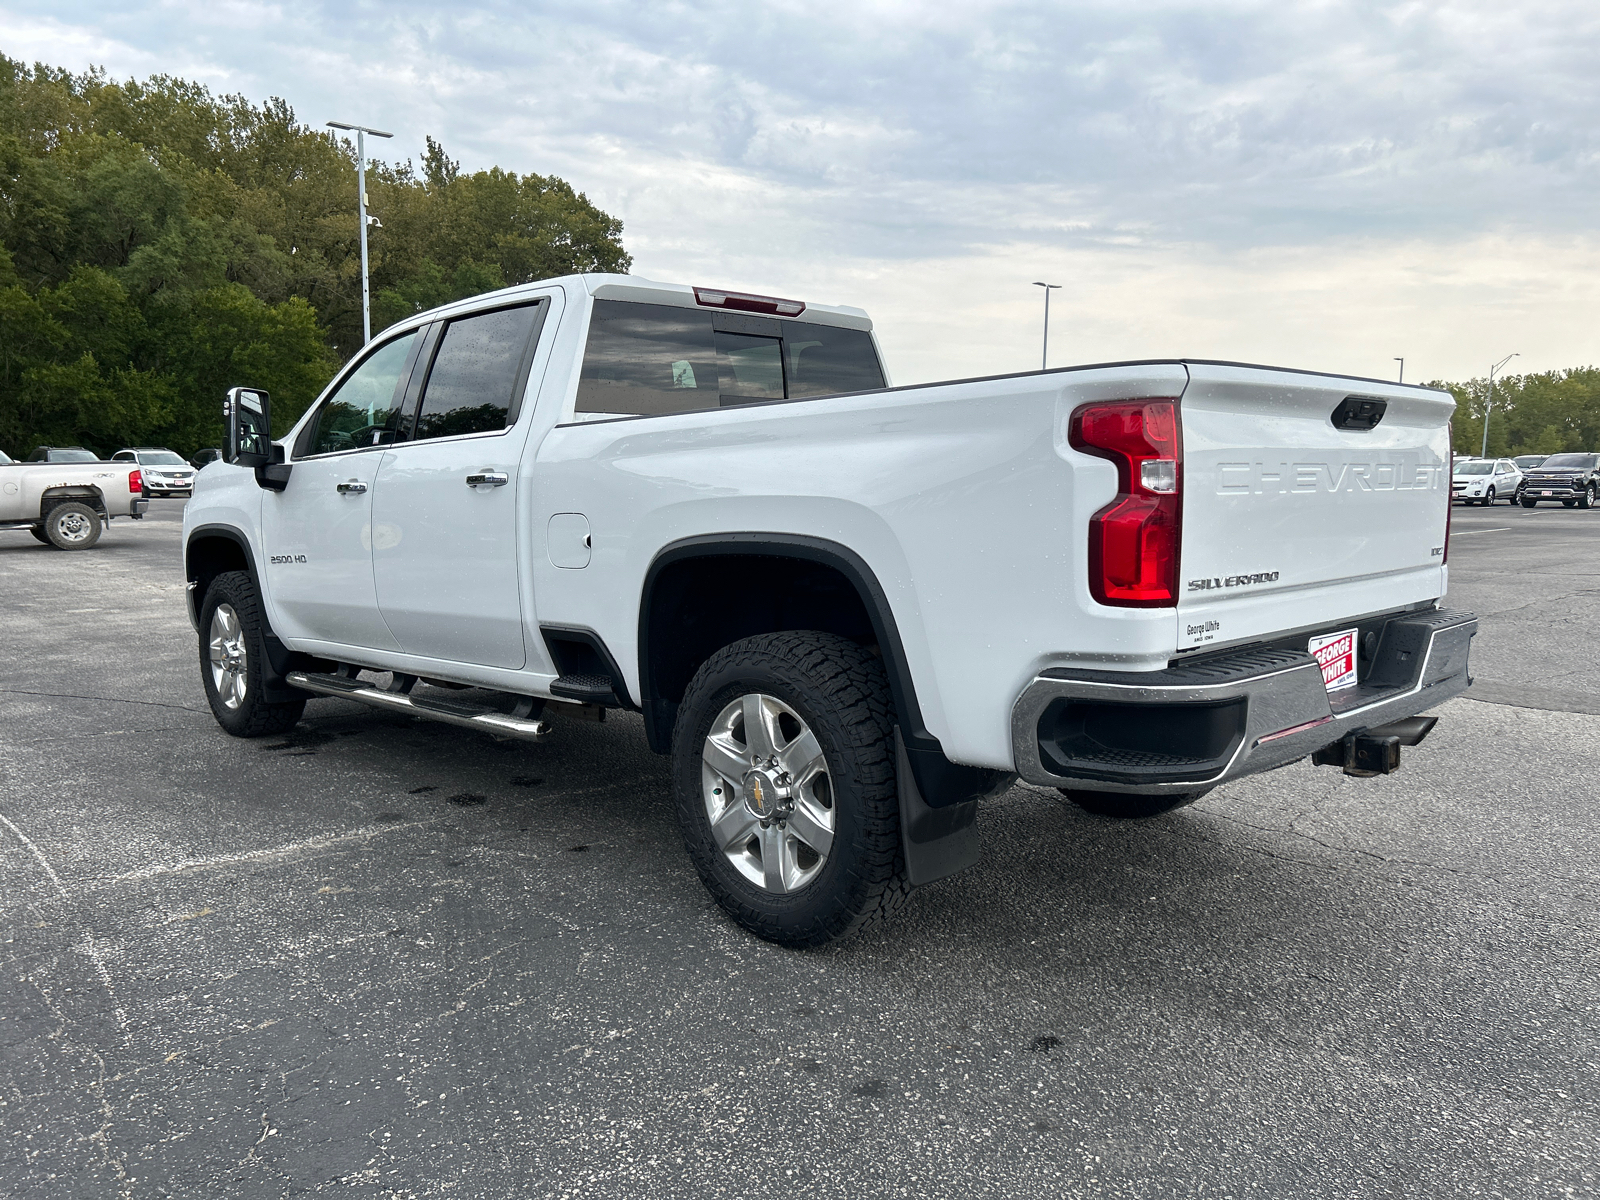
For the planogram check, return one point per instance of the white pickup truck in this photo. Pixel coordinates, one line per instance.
(849, 611)
(67, 504)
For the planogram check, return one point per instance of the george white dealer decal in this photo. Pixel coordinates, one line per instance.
(1284, 478)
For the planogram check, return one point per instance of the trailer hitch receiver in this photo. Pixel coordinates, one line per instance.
(1364, 753)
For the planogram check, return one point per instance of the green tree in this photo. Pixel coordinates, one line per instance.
(159, 243)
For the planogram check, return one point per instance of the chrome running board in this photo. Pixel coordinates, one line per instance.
(469, 716)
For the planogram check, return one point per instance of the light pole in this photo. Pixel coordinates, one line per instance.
(1489, 407)
(1402, 363)
(1044, 361)
(361, 132)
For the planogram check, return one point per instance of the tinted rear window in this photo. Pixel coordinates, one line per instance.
(645, 359)
(1571, 461)
(480, 361)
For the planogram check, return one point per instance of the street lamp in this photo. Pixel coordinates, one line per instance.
(1402, 363)
(361, 132)
(1044, 362)
(1489, 407)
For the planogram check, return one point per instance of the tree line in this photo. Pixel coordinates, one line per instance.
(160, 244)
(1531, 414)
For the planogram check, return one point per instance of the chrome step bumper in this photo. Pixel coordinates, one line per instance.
(468, 716)
(1196, 725)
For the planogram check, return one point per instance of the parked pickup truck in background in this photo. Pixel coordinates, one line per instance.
(66, 504)
(849, 611)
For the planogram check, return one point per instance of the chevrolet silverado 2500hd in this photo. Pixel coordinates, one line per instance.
(66, 504)
(849, 611)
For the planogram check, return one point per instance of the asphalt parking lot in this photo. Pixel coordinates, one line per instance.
(385, 958)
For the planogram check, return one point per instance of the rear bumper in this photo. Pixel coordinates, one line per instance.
(1192, 727)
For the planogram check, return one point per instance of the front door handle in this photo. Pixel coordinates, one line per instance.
(488, 479)
(353, 488)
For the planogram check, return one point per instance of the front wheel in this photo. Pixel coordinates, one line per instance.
(1588, 497)
(39, 535)
(783, 763)
(1125, 807)
(1488, 500)
(232, 654)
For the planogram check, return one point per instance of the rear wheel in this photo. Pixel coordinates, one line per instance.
(1528, 503)
(72, 526)
(232, 656)
(1126, 807)
(784, 772)
(1569, 504)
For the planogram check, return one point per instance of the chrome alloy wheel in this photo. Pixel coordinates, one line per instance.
(767, 793)
(229, 660)
(74, 527)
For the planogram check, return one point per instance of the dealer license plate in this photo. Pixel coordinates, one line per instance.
(1546, 493)
(1336, 655)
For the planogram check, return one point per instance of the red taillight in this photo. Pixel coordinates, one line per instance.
(135, 481)
(715, 298)
(1133, 541)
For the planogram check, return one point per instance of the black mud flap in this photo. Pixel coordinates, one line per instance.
(937, 841)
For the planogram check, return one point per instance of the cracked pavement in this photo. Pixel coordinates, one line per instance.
(384, 958)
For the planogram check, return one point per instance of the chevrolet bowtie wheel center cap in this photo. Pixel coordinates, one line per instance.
(764, 796)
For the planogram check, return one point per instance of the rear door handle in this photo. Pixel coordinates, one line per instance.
(353, 488)
(488, 479)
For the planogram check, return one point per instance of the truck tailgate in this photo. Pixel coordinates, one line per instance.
(1292, 523)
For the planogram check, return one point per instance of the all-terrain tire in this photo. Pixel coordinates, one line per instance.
(243, 712)
(72, 525)
(1125, 807)
(842, 695)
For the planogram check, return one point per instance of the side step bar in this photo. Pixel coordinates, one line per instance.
(527, 727)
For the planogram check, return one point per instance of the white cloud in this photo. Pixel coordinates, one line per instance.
(1324, 184)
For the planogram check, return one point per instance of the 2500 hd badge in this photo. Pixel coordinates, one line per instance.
(1231, 581)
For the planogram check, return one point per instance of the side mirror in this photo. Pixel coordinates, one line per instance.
(247, 419)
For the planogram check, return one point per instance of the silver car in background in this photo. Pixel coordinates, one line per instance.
(1485, 480)
(165, 473)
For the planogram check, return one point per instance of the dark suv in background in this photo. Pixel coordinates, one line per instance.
(1573, 479)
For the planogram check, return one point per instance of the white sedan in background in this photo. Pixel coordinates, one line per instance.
(1485, 480)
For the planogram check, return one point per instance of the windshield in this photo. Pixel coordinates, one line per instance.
(160, 458)
(1528, 460)
(70, 456)
(1579, 461)
(1475, 468)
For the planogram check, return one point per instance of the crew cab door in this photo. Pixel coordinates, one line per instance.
(317, 532)
(445, 551)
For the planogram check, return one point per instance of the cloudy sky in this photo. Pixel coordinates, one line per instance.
(1324, 184)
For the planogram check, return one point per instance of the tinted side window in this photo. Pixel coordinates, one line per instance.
(824, 359)
(480, 362)
(365, 411)
(648, 358)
